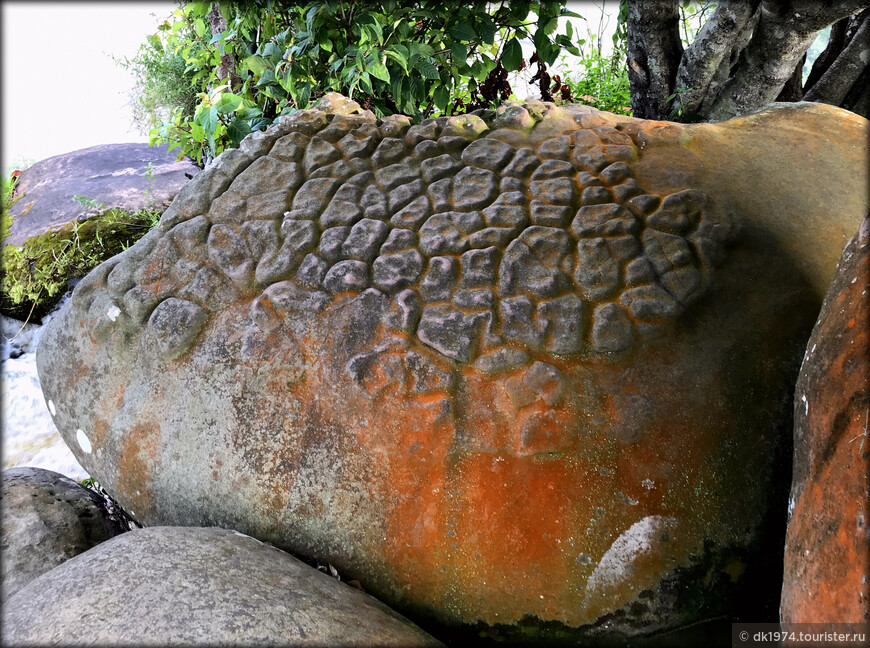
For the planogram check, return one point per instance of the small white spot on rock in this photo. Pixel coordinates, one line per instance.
(113, 312)
(51, 407)
(83, 441)
(648, 484)
(806, 404)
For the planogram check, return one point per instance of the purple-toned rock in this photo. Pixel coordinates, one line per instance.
(129, 177)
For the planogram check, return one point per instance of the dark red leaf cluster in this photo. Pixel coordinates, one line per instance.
(493, 88)
(544, 82)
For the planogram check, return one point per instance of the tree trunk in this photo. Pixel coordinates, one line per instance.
(793, 90)
(654, 51)
(218, 24)
(705, 64)
(841, 76)
(858, 99)
(784, 33)
(836, 43)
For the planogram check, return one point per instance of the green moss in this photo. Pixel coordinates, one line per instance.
(35, 275)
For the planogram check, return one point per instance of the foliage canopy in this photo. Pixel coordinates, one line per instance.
(248, 63)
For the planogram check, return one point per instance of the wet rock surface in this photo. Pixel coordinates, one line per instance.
(200, 587)
(47, 519)
(531, 364)
(827, 556)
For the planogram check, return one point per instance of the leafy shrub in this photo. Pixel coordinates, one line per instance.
(603, 82)
(164, 84)
(254, 61)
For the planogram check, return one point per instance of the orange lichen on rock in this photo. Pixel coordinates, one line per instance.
(827, 557)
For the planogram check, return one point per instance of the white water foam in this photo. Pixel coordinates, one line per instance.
(29, 435)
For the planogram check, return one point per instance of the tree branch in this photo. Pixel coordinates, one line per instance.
(784, 33)
(654, 51)
(835, 84)
(217, 23)
(713, 45)
(836, 43)
(793, 89)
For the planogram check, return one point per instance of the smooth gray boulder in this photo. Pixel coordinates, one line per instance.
(197, 586)
(113, 174)
(47, 519)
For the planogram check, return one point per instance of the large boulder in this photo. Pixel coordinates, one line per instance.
(170, 586)
(129, 177)
(47, 519)
(827, 555)
(528, 368)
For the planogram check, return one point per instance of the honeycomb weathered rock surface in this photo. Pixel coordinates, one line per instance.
(574, 258)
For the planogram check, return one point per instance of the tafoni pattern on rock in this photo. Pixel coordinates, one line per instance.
(475, 235)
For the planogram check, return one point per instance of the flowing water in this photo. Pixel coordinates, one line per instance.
(29, 435)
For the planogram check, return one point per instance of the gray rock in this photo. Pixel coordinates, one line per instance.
(47, 519)
(197, 586)
(113, 174)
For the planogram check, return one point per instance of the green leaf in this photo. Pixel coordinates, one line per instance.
(460, 53)
(228, 103)
(550, 26)
(207, 118)
(260, 123)
(427, 69)
(154, 39)
(487, 30)
(199, 27)
(379, 71)
(549, 53)
(272, 52)
(256, 64)
(267, 78)
(478, 71)
(422, 50)
(304, 95)
(441, 97)
(541, 41)
(396, 89)
(463, 32)
(237, 130)
(416, 89)
(323, 40)
(250, 113)
(512, 55)
(286, 80)
(399, 53)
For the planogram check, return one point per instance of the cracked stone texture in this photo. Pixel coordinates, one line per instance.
(412, 349)
(169, 586)
(827, 555)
